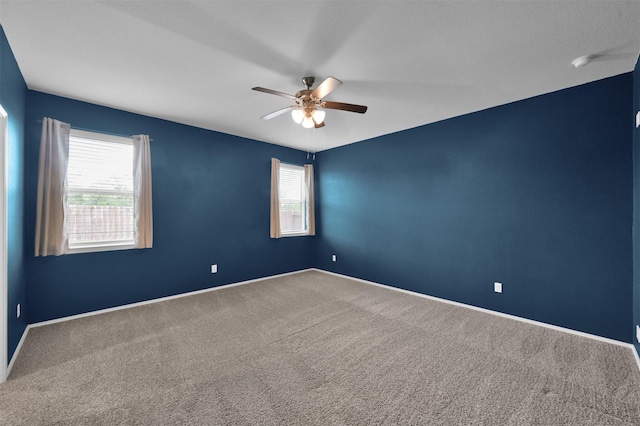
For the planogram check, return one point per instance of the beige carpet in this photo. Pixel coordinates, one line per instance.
(315, 349)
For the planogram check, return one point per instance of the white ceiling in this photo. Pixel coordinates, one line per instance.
(410, 62)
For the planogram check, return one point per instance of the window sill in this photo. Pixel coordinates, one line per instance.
(296, 234)
(94, 249)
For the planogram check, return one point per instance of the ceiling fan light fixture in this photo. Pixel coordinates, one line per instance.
(307, 123)
(318, 116)
(297, 115)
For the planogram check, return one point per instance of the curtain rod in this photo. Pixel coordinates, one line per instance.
(98, 131)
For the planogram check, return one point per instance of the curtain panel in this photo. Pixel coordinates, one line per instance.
(275, 230)
(51, 234)
(311, 216)
(143, 212)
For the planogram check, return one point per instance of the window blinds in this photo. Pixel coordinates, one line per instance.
(99, 166)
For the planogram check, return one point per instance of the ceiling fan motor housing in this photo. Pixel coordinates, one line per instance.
(306, 100)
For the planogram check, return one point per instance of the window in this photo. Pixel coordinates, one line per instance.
(291, 201)
(94, 191)
(294, 218)
(100, 205)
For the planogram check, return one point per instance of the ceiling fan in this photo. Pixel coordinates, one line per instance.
(307, 102)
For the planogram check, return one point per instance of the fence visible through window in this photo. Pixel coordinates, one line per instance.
(93, 224)
(291, 221)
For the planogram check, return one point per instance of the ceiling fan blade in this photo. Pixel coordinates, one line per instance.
(318, 125)
(278, 112)
(345, 107)
(275, 92)
(327, 86)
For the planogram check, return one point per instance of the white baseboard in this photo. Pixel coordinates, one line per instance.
(635, 353)
(15, 353)
(133, 305)
(161, 299)
(488, 311)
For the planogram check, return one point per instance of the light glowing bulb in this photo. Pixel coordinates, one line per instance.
(318, 116)
(297, 115)
(307, 123)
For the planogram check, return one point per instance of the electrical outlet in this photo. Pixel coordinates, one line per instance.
(18, 311)
(497, 287)
(334, 258)
(214, 269)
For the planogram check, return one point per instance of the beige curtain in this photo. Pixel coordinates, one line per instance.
(311, 216)
(143, 213)
(275, 199)
(51, 233)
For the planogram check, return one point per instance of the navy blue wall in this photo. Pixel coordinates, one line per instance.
(536, 194)
(13, 92)
(636, 206)
(211, 205)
